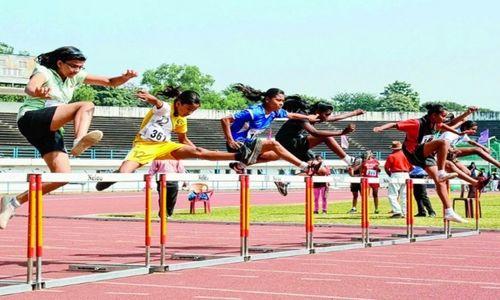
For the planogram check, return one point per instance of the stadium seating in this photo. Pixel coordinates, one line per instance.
(119, 133)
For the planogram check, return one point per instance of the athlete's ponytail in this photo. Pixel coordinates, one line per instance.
(257, 95)
(295, 104)
(186, 97)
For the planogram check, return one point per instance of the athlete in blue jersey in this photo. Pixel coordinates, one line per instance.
(243, 128)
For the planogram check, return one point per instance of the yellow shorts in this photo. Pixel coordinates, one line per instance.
(145, 152)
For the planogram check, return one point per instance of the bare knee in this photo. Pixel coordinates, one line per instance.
(87, 106)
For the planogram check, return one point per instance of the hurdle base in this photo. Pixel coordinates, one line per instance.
(9, 287)
(281, 253)
(213, 261)
(100, 268)
(261, 249)
(194, 256)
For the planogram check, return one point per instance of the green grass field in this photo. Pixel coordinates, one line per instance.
(337, 214)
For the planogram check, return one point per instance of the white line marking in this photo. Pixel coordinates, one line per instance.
(239, 276)
(228, 290)
(221, 298)
(357, 276)
(393, 267)
(128, 294)
(320, 279)
(51, 291)
(471, 270)
(407, 283)
(491, 287)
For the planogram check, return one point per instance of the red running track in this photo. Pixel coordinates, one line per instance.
(459, 267)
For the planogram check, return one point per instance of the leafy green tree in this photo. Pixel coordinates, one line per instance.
(184, 76)
(84, 93)
(399, 96)
(11, 98)
(398, 102)
(6, 49)
(353, 101)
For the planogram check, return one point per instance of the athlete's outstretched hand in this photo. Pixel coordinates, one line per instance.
(42, 92)
(129, 74)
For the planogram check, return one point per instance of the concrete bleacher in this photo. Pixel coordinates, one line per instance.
(119, 133)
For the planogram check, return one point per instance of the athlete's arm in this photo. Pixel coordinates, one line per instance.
(474, 143)
(147, 97)
(297, 116)
(463, 117)
(35, 89)
(326, 133)
(226, 128)
(110, 81)
(384, 127)
(183, 139)
(343, 116)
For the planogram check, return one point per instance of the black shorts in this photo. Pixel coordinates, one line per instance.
(299, 147)
(355, 187)
(417, 158)
(35, 126)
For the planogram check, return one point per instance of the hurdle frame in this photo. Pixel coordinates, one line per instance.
(109, 271)
(35, 225)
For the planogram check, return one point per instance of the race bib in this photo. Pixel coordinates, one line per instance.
(155, 132)
(427, 138)
(371, 173)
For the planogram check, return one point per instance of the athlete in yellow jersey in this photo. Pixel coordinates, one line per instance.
(153, 141)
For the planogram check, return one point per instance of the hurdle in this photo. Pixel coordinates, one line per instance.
(106, 271)
(17, 286)
(202, 260)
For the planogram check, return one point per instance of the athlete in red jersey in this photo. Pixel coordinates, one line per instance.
(420, 148)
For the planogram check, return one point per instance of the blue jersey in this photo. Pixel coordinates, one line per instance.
(250, 122)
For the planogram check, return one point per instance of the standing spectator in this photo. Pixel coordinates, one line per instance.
(167, 166)
(355, 171)
(370, 167)
(321, 188)
(420, 194)
(473, 170)
(494, 182)
(397, 167)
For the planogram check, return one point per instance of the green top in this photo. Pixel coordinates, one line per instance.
(61, 92)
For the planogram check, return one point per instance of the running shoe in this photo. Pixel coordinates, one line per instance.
(89, 140)
(282, 187)
(352, 210)
(238, 167)
(454, 217)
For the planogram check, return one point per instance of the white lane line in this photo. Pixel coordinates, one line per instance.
(356, 276)
(320, 279)
(471, 270)
(318, 264)
(220, 298)
(491, 287)
(127, 294)
(51, 291)
(390, 263)
(407, 283)
(267, 293)
(393, 267)
(239, 276)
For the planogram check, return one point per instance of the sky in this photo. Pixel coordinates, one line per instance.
(448, 50)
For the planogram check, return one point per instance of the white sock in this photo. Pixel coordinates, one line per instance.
(303, 165)
(441, 173)
(449, 211)
(347, 159)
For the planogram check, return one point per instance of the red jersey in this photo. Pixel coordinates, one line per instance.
(370, 168)
(418, 131)
(397, 162)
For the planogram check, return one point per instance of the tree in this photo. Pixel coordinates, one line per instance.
(84, 93)
(184, 76)
(399, 96)
(12, 98)
(6, 49)
(353, 101)
(398, 102)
